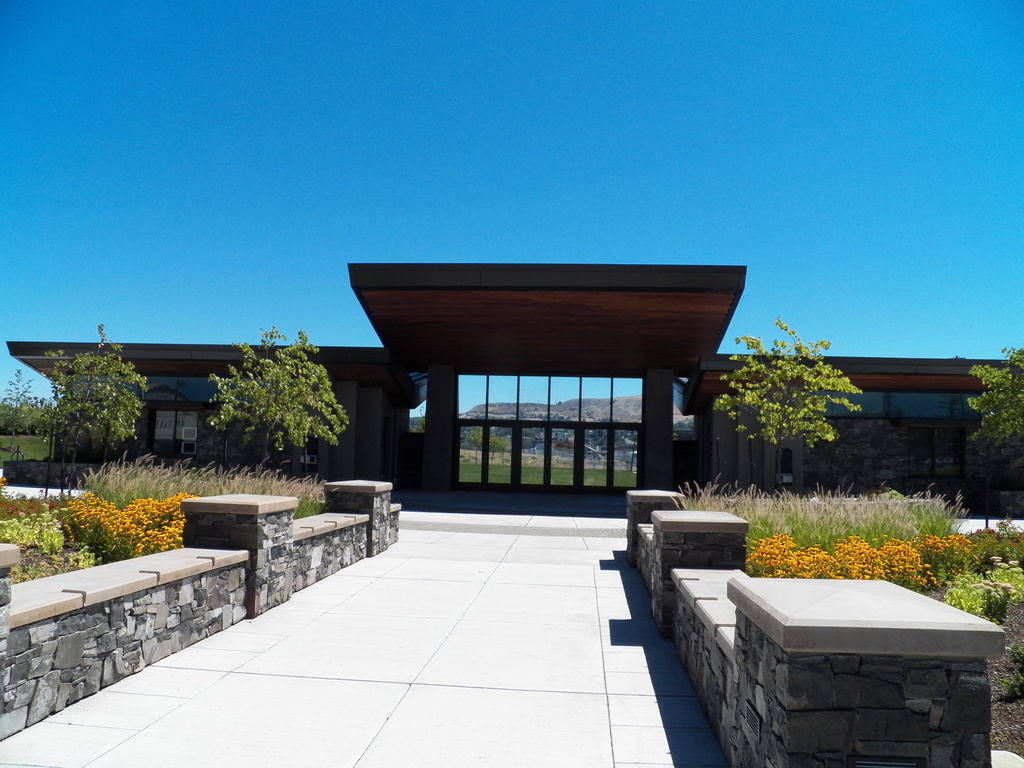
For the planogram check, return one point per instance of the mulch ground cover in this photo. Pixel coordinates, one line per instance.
(1007, 713)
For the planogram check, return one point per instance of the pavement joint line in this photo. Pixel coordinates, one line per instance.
(517, 530)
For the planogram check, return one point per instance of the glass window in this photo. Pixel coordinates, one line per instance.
(161, 388)
(531, 456)
(628, 400)
(930, 405)
(502, 396)
(563, 455)
(565, 398)
(624, 452)
(937, 452)
(193, 389)
(533, 398)
(471, 446)
(163, 433)
(175, 433)
(596, 404)
(872, 405)
(595, 457)
(472, 397)
(499, 455)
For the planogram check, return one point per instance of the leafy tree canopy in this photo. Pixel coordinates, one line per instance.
(1002, 404)
(279, 394)
(787, 389)
(96, 396)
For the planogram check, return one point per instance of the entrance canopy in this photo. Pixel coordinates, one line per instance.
(536, 319)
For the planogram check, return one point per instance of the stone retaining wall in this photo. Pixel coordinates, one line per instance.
(324, 544)
(65, 637)
(37, 474)
(824, 673)
(366, 498)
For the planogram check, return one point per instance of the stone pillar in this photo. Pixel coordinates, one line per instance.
(706, 540)
(260, 524)
(10, 556)
(639, 506)
(849, 673)
(657, 438)
(362, 497)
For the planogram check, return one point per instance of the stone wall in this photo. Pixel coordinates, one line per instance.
(639, 507)
(872, 453)
(37, 474)
(324, 544)
(65, 637)
(827, 674)
(57, 661)
(819, 709)
(704, 630)
(360, 497)
(691, 539)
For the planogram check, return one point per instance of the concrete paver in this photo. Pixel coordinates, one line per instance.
(517, 647)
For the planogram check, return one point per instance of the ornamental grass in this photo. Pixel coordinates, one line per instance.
(827, 517)
(120, 482)
(143, 527)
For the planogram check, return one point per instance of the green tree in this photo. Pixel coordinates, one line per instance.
(96, 399)
(1001, 405)
(18, 406)
(786, 389)
(279, 394)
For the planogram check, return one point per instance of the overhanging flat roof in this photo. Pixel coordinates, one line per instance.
(537, 319)
(367, 366)
(871, 374)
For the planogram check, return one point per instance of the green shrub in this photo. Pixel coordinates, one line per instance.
(989, 597)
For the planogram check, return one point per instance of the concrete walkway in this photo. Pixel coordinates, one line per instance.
(477, 640)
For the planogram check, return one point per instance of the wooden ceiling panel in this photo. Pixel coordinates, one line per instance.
(536, 320)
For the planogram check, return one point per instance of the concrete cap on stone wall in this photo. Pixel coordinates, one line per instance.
(240, 504)
(835, 616)
(177, 564)
(698, 522)
(651, 497)
(10, 555)
(40, 599)
(357, 486)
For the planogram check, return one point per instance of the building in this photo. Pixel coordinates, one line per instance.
(567, 378)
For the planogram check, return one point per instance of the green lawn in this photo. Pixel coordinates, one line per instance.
(560, 476)
(29, 446)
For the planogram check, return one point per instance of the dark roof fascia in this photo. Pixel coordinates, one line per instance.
(551, 277)
(851, 366)
(28, 352)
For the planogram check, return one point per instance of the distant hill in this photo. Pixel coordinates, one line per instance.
(594, 409)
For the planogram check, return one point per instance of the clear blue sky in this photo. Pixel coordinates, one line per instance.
(192, 172)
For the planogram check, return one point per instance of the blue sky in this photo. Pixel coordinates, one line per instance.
(188, 172)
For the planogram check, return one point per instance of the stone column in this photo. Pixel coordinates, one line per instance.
(639, 506)
(363, 497)
(260, 524)
(10, 556)
(707, 540)
(849, 673)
